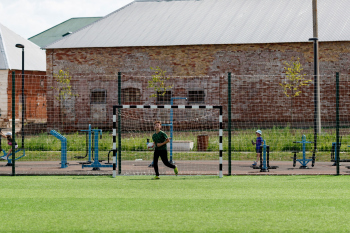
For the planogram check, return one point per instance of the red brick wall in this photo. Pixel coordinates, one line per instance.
(199, 60)
(35, 86)
(89, 65)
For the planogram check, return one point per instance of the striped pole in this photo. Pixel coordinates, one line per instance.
(220, 141)
(115, 107)
(114, 142)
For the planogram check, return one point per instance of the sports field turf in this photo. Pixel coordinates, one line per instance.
(175, 204)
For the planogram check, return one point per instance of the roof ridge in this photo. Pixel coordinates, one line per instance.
(49, 29)
(166, 0)
(87, 17)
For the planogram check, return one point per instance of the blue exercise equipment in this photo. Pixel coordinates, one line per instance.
(348, 167)
(334, 153)
(265, 159)
(95, 164)
(304, 161)
(63, 140)
(89, 150)
(9, 161)
(9, 156)
(172, 126)
(263, 162)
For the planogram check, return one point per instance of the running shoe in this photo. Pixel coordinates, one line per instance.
(176, 171)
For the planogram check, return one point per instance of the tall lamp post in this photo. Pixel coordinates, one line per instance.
(317, 116)
(22, 47)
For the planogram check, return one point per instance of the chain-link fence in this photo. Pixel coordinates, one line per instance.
(79, 109)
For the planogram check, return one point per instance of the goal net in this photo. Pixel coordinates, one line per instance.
(195, 133)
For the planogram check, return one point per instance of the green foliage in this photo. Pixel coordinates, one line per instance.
(295, 79)
(64, 88)
(158, 82)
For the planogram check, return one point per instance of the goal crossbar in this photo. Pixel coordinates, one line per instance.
(117, 120)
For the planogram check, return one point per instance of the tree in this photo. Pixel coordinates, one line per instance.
(158, 82)
(65, 95)
(294, 81)
(63, 87)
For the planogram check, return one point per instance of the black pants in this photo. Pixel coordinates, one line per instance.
(164, 156)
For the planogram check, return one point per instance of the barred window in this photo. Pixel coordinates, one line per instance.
(197, 96)
(131, 95)
(98, 97)
(163, 97)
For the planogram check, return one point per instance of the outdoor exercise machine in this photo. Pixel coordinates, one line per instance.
(108, 156)
(89, 150)
(348, 167)
(304, 161)
(63, 140)
(96, 163)
(9, 157)
(334, 153)
(171, 129)
(265, 160)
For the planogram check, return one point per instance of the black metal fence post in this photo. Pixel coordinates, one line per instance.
(13, 123)
(119, 125)
(337, 121)
(23, 101)
(229, 122)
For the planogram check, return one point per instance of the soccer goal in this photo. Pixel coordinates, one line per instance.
(196, 139)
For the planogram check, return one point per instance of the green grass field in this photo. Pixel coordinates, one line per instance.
(175, 204)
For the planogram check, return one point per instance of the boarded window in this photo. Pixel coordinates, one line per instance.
(98, 97)
(131, 95)
(196, 96)
(163, 97)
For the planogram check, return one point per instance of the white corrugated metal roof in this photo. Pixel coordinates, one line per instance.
(11, 57)
(193, 22)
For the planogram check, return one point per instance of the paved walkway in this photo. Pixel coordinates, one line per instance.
(194, 167)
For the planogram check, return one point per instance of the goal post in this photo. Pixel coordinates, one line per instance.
(135, 120)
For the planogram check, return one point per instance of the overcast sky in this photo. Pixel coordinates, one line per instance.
(30, 17)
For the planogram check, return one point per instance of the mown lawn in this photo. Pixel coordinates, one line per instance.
(175, 204)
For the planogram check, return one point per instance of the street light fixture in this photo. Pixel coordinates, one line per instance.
(22, 47)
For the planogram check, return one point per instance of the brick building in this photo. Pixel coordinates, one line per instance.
(35, 80)
(204, 38)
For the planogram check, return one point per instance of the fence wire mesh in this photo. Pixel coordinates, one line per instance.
(77, 106)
